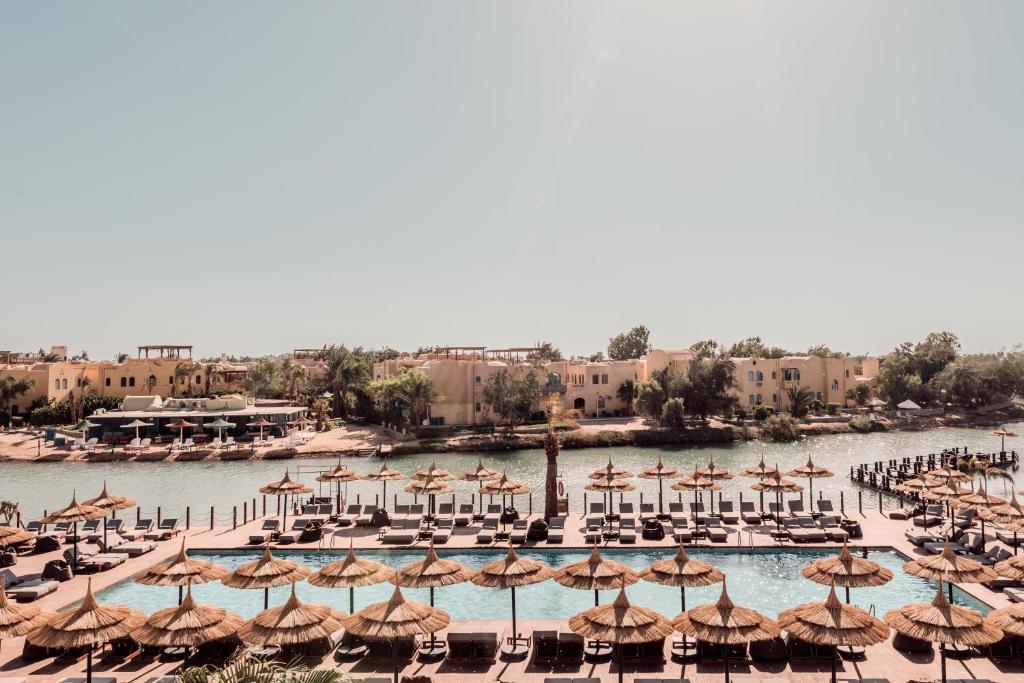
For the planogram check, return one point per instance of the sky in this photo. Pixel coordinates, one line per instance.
(254, 176)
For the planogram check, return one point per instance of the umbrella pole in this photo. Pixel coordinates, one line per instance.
(595, 598)
(618, 661)
(74, 530)
(180, 588)
(661, 486)
(351, 600)
(88, 664)
(394, 656)
(266, 598)
(515, 641)
(942, 659)
(725, 660)
(847, 595)
(949, 586)
(682, 603)
(834, 655)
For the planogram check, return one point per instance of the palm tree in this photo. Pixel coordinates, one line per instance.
(11, 388)
(345, 372)
(182, 376)
(418, 392)
(627, 393)
(211, 370)
(552, 445)
(800, 399)
(294, 376)
(996, 473)
(255, 670)
(263, 377)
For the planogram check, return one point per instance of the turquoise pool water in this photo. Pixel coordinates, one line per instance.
(767, 580)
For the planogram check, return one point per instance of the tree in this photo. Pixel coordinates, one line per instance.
(627, 394)
(781, 427)
(512, 398)
(150, 384)
(544, 352)
(705, 390)
(800, 399)
(11, 388)
(211, 371)
(347, 372)
(650, 398)
(293, 377)
(552, 446)
(898, 377)
(596, 357)
(416, 390)
(263, 378)
(704, 348)
(823, 351)
(753, 347)
(121, 357)
(859, 394)
(673, 416)
(632, 344)
(182, 377)
(938, 350)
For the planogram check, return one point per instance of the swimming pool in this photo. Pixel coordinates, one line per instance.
(768, 580)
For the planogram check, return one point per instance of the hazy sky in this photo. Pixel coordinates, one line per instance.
(256, 176)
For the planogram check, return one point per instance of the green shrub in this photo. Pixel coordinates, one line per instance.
(740, 412)
(763, 412)
(817, 406)
(672, 415)
(833, 408)
(862, 423)
(782, 427)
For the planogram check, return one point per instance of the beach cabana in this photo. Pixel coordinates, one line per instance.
(266, 573)
(513, 572)
(833, 624)
(433, 572)
(86, 626)
(395, 619)
(661, 472)
(352, 572)
(285, 487)
(187, 625)
(943, 623)
(847, 571)
(181, 570)
(621, 623)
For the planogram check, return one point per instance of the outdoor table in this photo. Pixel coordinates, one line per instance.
(425, 534)
(610, 534)
(597, 649)
(516, 646)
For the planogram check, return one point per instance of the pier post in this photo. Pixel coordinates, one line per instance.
(264, 505)
(234, 517)
(245, 511)
(880, 503)
(211, 518)
(188, 517)
(138, 515)
(254, 509)
(158, 515)
(860, 502)
(357, 499)
(585, 506)
(842, 502)
(530, 512)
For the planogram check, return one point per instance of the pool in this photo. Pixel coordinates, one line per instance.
(767, 580)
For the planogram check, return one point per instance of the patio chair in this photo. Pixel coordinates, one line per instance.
(727, 512)
(647, 512)
(520, 527)
(270, 441)
(167, 528)
(681, 532)
(215, 443)
(627, 530)
(366, 516)
(176, 444)
(352, 512)
(90, 445)
(487, 531)
(796, 508)
(444, 530)
(715, 531)
(556, 529)
(266, 532)
(594, 520)
(465, 514)
(229, 443)
(749, 513)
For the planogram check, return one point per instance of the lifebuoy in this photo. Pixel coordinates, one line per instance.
(561, 489)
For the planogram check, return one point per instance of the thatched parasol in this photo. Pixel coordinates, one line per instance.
(847, 571)
(661, 472)
(759, 471)
(946, 473)
(395, 619)
(511, 572)
(12, 535)
(352, 572)
(111, 504)
(187, 625)
(831, 623)
(683, 572)
(292, 623)
(596, 574)
(265, 573)
(433, 472)
(611, 470)
(286, 487)
(429, 487)
(726, 624)
(697, 484)
(1009, 620)
(777, 484)
(609, 485)
(622, 623)
(86, 625)
(338, 475)
(810, 472)
(181, 570)
(979, 501)
(74, 513)
(503, 486)
(1011, 568)
(943, 623)
(480, 473)
(951, 568)
(713, 471)
(18, 620)
(433, 572)
(384, 475)
(1002, 433)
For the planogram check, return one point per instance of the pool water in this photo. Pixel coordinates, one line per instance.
(767, 580)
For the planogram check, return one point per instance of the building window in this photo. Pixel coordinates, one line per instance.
(131, 381)
(817, 395)
(63, 384)
(791, 374)
(759, 399)
(199, 379)
(593, 379)
(170, 380)
(835, 385)
(775, 398)
(56, 385)
(604, 379)
(750, 399)
(760, 376)
(477, 407)
(600, 402)
(106, 382)
(477, 379)
(774, 375)
(750, 376)
(124, 381)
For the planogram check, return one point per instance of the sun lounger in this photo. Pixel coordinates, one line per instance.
(813, 534)
(626, 512)
(30, 591)
(627, 530)
(990, 557)
(749, 513)
(189, 444)
(229, 443)
(825, 507)
(90, 445)
(400, 512)
(919, 538)
(131, 548)
(168, 528)
(493, 512)
(446, 511)
(777, 513)
(366, 516)
(593, 535)
(1010, 538)
(647, 512)
(295, 532)
(677, 511)
(444, 530)
(933, 515)
(830, 525)
(464, 517)
(594, 520)
(416, 512)
(520, 528)
(796, 508)
(556, 530)
(103, 561)
(964, 519)
(681, 532)
(352, 513)
(486, 533)
(1014, 594)
(901, 514)
(714, 530)
(266, 532)
(728, 513)
(401, 532)
(84, 530)
(697, 513)
(596, 509)
(142, 527)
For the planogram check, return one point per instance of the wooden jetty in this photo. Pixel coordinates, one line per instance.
(884, 475)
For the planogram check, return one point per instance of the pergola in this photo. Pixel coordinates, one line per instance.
(165, 350)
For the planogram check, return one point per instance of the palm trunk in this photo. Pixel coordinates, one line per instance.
(551, 475)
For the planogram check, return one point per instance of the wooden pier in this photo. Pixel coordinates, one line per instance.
(884, 475)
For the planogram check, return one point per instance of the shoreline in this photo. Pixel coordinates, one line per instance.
(355, 441)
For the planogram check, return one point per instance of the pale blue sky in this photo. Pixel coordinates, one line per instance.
(254, 176)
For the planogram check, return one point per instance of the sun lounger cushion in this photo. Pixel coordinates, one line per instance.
(29, 591)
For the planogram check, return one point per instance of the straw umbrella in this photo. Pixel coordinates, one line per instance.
(75, 512)
(136, 425)
(433, 472)
(1011, 568)
(181, 570)
(220, 424)
(778, 485)
(918, 486)
(1009, 515)
(1009, 620)
(683, 572)
(596, 574)
(292, 623)
(181, 425)
(694, 482)
(478, 474)
(714, 473)
(621, 623)
(946, 492)
(429, 487)
(504, 487)
(610, 485)
(951, 568)
(187, 625)
(661, 472)
(266, 573)
(262, 423)
(611, 470)
(847, 571)
(286, 487)
(831, 623)
(943, 623)
(979, 501)
(810, 472)
(726, 624)
(110, 503)
(512, 572)
(1002, 433)
(339, 475)
(946, 472)
(760, 471)
(86, 625)
(18, 620)
(12, 535)
(385, 474)
(352, 572)
(433, 572)
(397, 618)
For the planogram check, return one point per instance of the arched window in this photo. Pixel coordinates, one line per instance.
(835, 385)
(750, 376)
(124, 381)
(760, 376)
(600, 402)
(131, 381)
(63, 384)
(56, 384)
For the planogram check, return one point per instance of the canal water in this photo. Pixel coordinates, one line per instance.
(222, 485)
